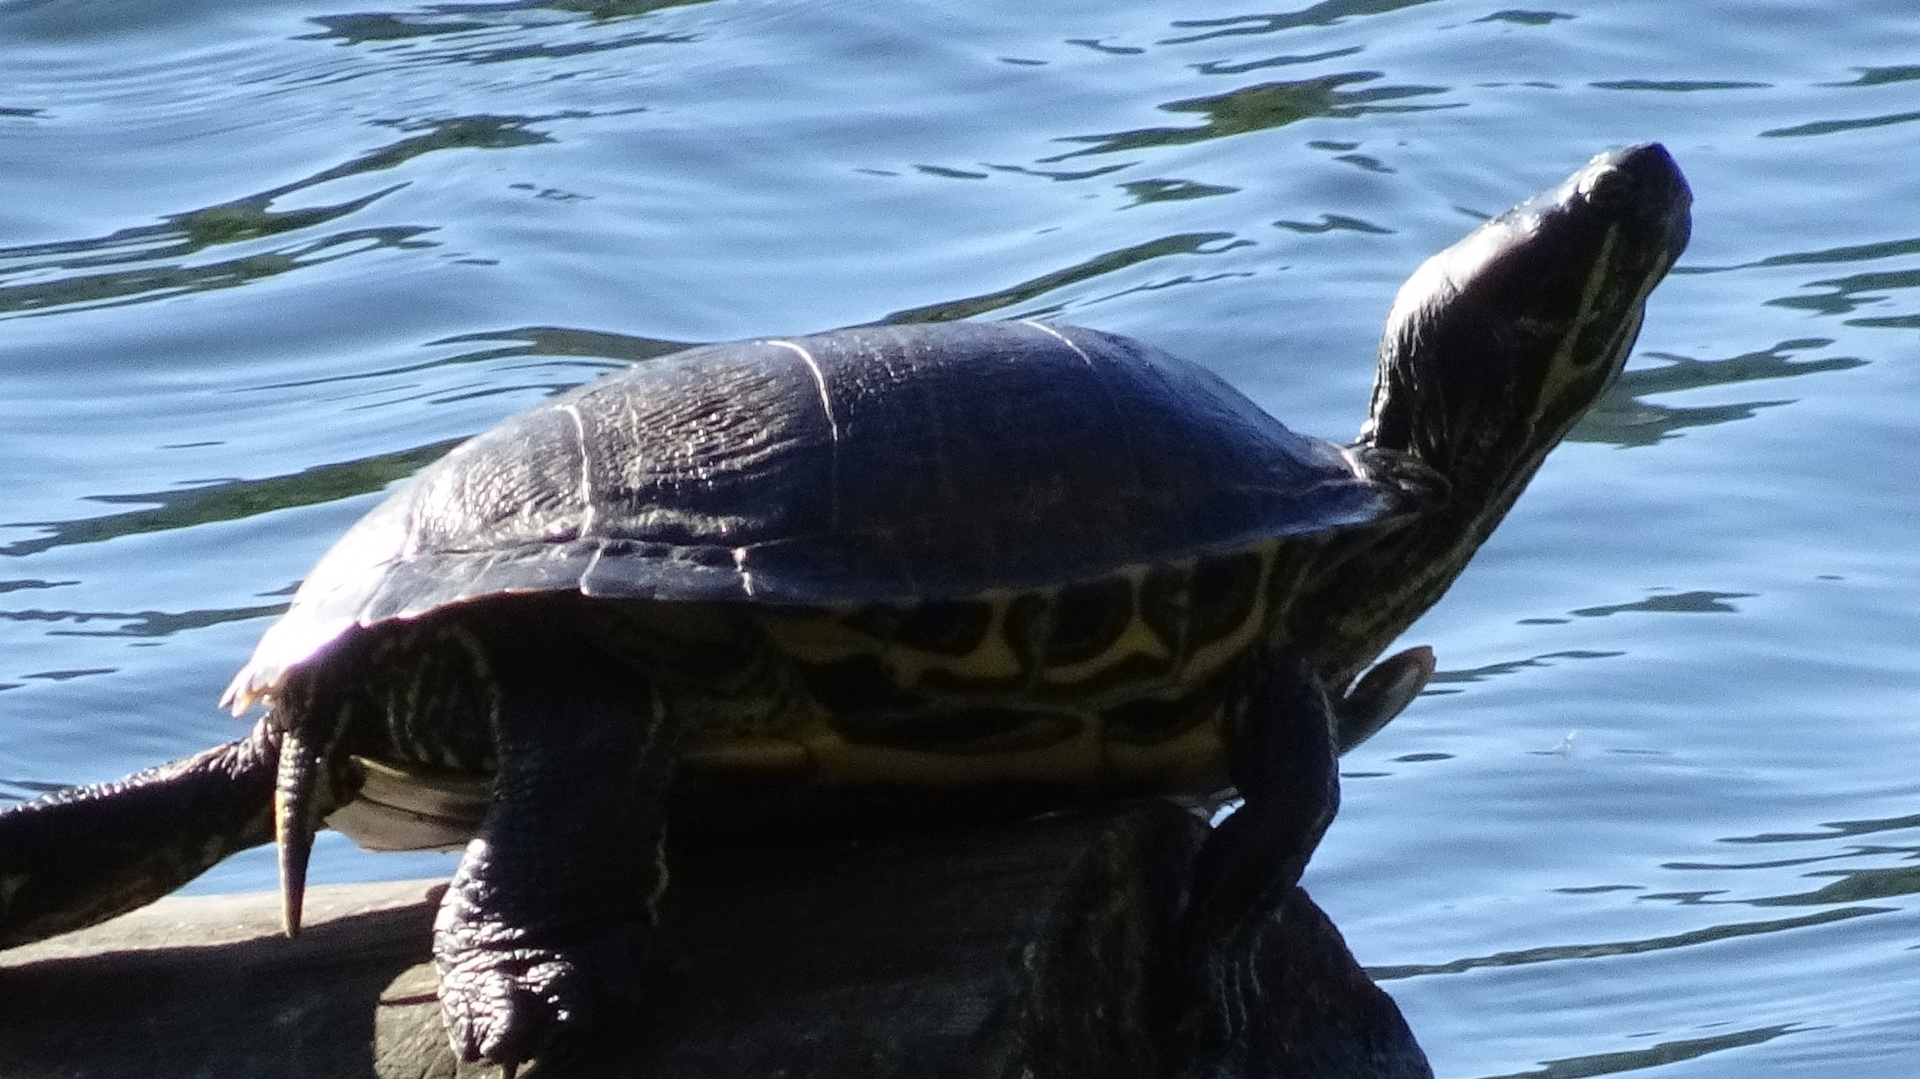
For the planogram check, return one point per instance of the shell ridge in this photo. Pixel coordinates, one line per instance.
(833, 422)
(584, 488)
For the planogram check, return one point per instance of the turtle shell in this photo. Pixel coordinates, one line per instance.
(891, 463)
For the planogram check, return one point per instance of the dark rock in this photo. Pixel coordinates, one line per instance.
(1041, 949)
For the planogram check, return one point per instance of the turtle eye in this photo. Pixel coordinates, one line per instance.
(1609, 189)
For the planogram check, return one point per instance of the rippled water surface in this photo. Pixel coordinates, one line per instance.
(1661, 809)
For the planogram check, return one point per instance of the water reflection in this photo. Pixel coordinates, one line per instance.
(1491, 670)
(1145, 191)
(1833, 830)
(1848, 253)
(1854, 886)
(1880, 76)
(135, 623)
(155, 255)
(1849, 294)
(550, 341)
(1332, 223)
(1623, 418)
(436, 20)
(1322, 14)
(1841, 894)
(66, 675)
(1679, 86)
(1215, 67)
(1525, 18)
(1696, 602)
(1830, 127)
(1191, 243)
(232, 500)
(1850, 885)
(1667, 1052)
(1554, 953)
(1258, 108)
(31, 582)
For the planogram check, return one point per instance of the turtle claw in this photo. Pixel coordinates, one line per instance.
(293, 811)
(1381, 694)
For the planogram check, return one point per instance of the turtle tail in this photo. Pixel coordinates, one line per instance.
(76, 857)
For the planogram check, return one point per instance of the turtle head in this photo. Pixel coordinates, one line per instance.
(1494, 348)
(1496, 345)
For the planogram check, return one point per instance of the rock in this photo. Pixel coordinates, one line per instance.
(1040, 949)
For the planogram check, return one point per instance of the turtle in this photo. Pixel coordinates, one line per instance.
(935, 558)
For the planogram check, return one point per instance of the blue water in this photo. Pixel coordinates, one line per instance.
(1661, 810)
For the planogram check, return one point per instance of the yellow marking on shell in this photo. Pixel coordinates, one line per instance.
(741, 754)
(814, 637)
(827, 637)
(994, 660)
(1214, 655)
(809, 748)
(1192, 762)
(1136, 640)
(1080, 760)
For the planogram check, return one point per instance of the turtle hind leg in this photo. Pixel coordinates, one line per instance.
(546, 920)
(79, 856)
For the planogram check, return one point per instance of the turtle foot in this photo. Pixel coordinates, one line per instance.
(510, 992)
(508, 1007)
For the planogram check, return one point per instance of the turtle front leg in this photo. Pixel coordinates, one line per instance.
(1284, 760)
(546, 921)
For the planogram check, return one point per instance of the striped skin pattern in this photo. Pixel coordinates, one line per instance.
(1121, 683)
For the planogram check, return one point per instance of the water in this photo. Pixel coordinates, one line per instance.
(1662, 808)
